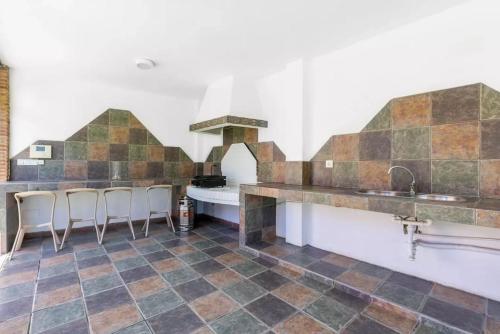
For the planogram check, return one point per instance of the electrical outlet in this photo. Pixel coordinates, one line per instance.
(329, 164)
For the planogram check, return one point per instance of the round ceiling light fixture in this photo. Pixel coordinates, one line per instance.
(144, 63)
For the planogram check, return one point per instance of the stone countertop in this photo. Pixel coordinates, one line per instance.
(67, 184)
(473, 211)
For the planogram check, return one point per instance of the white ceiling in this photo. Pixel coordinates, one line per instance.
(193, 41)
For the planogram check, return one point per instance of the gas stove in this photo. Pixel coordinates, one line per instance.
(209, 181)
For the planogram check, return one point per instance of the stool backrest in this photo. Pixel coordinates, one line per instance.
(159, 197)
(49, 195)
(82, 194)
(112, 202)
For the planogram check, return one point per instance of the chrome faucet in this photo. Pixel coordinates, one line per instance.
(412, 185)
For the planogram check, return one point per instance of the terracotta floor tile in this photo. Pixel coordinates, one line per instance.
(183, 250)
(340, 260)
(213, 306)
(17, 325)
(462, 298)
(391, 316)
(300, 324)
(296, 294)
(126, 253)
(277, 251)
(193, 238)
(96, 271)
(230, 259)
(224, 278)
(85, 246)
(52, 261)
(167, 265)
(291, 273)
(114, 319)
(359, 280)
(22, 277)
(146, 287)
(232, 245)
(57, 296)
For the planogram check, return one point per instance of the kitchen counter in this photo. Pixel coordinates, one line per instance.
(472, 211)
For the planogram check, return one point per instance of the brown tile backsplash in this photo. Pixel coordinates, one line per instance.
(345, 147)
(455, 141)
(411, 111)
(456, 105)
(373, 174)
(375, 145)
(490, 139)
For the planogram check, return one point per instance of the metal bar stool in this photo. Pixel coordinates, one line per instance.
(25, 228)
(164, 210)
(73, 193)
(126, 216)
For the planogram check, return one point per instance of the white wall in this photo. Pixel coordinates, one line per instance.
(55, 108)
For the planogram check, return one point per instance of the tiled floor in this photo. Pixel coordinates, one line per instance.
(200, 282)
(397, 300)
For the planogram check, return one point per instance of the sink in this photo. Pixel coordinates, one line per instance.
(387, 193)
(442, 198)
(428, 197)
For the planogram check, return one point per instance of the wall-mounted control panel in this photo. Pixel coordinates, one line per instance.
(329, 164)
(40, 151)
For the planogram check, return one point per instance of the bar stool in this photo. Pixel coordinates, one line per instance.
(149, 192)
(73, 193)
(126, 215)
(25, 228)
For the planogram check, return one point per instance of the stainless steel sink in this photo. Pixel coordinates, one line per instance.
(428, 197)
(386, 193)
(442, 198)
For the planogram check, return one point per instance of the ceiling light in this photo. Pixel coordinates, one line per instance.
(144, 63)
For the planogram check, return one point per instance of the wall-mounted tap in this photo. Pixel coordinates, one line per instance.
(412, 185)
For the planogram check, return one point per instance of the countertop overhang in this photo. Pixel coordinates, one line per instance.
(472, 211)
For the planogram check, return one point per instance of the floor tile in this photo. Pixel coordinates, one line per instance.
(203, 244)
(460, 298)
(223, 239)
(300, 324)
(245, 291)
(174, 243)
(16, 291)
(330, 312)
(300, 259)
(107, 300)
(16, 308)
(291, 273)
(137, 273)
(224, 278)
(411, 282)
(93, 261)
(296, 294)
(277, 251)
(216, 251)
(17, 325)
(96, 271)
(391, 316)
(270, 310)
(400, 295)
(150, 249)
(238, 322)
(372, 270)
(180, 320)
(340, 260)
(194, 257)
(180, 276)
(181, 250)
(213, 306)
(230, 259)
(57, 296)
(359, 281)
(86, 254)
(79, 326)
(157, 256)
(138, 328)
(146, 286)
(57, 315)
(123, 254)
(112, 320)
(207, 267)
(159, 302)
(326, 269)
(269, 280)
(57, 282)
(431, 327)
(22, 277)
(130, 263)
(58, 269)
(249, 268)
(95, 285)
(314, 284)
(117, 247)
(351, 300)
(364, 325)
(194, 289)
(454, 315)
(57, 260)
(269, 263)
(168, 265)
(314, 252)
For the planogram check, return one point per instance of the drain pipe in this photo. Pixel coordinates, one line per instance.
(411, 227)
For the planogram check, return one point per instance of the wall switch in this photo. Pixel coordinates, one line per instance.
(329, 164)
(29, 162)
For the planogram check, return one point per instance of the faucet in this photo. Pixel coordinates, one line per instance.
(412, 185)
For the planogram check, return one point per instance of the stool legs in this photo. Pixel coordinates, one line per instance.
(103, 230)
(167, 217)
(15, 246)
(67, 232)
(131, 227)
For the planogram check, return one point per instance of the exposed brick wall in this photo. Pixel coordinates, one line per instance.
(4, 123)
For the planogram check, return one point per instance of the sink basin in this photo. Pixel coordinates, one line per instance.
(442, 198)
(428, 197)
(387, 193)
